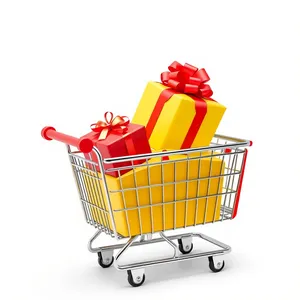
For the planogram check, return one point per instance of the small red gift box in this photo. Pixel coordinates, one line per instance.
(117, 137)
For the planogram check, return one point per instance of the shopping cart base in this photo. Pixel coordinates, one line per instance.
(136, 271)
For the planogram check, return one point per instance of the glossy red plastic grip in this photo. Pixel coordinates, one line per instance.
(84, 145)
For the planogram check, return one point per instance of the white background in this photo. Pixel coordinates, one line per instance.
(64, 63)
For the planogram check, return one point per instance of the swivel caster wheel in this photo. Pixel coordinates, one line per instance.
(105, 259)
(216, 265)
(136, 277)
(185, 245)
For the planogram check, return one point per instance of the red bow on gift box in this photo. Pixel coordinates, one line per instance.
(187, 79)
(118, 124)
(183, 79)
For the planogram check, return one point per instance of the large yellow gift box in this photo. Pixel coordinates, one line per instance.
(154, 184)
(176, 114)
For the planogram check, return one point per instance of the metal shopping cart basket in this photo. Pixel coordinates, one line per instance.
(168, 190)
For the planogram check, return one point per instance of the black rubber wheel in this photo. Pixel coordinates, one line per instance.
(213, 267)
(182, 250)
(132, 282)
(102, 263)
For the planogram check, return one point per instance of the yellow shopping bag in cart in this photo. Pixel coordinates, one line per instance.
(159, 195)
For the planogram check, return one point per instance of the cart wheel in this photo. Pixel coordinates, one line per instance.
(105, 263)
(135, 281)
(216, 268)
(185, 249)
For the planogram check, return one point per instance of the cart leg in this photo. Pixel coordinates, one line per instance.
(145, 237)
(136, 277)
(91, 241)
(169, 241)
(105, 256)
(131, 242)
(126, 246)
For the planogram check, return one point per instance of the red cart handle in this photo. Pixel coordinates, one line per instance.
(83, 144)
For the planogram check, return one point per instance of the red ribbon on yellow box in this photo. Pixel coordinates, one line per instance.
(188, 80)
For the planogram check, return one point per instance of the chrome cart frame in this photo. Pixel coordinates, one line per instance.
(96, 197)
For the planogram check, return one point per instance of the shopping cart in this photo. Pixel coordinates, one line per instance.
(156, 204)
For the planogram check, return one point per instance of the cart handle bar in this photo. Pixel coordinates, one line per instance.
(85, 145)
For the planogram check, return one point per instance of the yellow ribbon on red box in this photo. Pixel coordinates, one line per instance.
(118, 124)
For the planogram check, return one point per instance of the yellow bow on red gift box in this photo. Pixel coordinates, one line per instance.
(118, 124)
